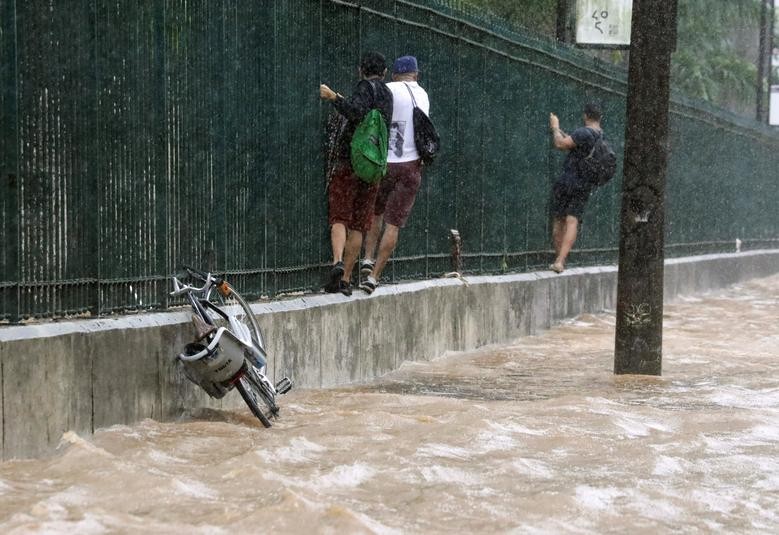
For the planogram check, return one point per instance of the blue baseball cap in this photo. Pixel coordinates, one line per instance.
(405, 64)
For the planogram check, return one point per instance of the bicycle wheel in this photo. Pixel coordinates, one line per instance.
(225, 297)
(256, 395)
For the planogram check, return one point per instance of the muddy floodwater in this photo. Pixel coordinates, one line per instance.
(534, 437)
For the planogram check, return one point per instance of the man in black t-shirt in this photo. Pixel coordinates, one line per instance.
(350, 199)
(571, 190)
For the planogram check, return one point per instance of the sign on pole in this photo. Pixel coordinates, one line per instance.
(603, 23)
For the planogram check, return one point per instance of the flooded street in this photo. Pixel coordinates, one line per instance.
(535, 437)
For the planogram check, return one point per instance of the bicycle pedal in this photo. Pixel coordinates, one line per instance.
(283, 386)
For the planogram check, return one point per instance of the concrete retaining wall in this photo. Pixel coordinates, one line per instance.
(84, 375)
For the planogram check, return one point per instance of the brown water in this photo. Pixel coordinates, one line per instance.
(535, 437)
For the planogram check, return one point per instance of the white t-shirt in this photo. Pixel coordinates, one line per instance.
(401, 130)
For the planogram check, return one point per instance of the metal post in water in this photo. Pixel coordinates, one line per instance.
(639, 337)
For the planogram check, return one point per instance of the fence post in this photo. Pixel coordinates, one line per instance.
(763, 62)
(563, 30)
(159, 100)
(93, 180)
(218, 65)
(9, 155)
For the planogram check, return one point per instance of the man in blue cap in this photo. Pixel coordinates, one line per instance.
(399, 187)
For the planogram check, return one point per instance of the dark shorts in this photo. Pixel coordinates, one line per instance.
(350, 200)
(569, 199)
(397, 192)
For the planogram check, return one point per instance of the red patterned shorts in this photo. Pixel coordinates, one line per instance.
(350, 200)
(398, 191)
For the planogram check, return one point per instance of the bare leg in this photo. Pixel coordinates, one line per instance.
(338, 241)
(558, 229)
(353, 244)
(372, 238)
(569, 238)
(388, 242)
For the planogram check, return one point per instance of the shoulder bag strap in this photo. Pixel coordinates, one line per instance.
(413, 100)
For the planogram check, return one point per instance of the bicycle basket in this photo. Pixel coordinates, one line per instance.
(215, 366)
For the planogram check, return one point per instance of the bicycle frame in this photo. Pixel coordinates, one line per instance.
(200, 304)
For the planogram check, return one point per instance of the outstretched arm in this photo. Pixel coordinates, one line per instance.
(353, 108)
(561, 140)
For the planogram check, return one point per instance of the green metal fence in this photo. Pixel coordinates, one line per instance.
(140, 136)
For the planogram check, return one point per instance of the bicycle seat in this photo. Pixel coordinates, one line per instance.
(202, 329)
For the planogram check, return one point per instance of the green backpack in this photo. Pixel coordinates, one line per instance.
(369, 148)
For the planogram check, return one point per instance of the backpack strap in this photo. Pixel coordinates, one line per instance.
(596, 133)
(598, 136)
(373, 92)
(374, 96)
(413, 100)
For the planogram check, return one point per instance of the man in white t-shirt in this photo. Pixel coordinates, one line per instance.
(399, 187)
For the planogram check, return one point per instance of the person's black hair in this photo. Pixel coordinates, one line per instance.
(373, 64)
(592, 111)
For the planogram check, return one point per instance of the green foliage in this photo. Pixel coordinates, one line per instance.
(712, 61)
(716, 51)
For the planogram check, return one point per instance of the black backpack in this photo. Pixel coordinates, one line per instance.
(600, 165)
(425, 136)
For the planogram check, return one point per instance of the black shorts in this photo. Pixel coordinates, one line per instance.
(569, 199)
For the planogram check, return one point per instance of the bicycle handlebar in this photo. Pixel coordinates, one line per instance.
(196, 273)
(208, 279)
(179, 288)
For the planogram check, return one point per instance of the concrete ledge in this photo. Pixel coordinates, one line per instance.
(86, 374)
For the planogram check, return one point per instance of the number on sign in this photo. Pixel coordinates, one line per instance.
(599, 18)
